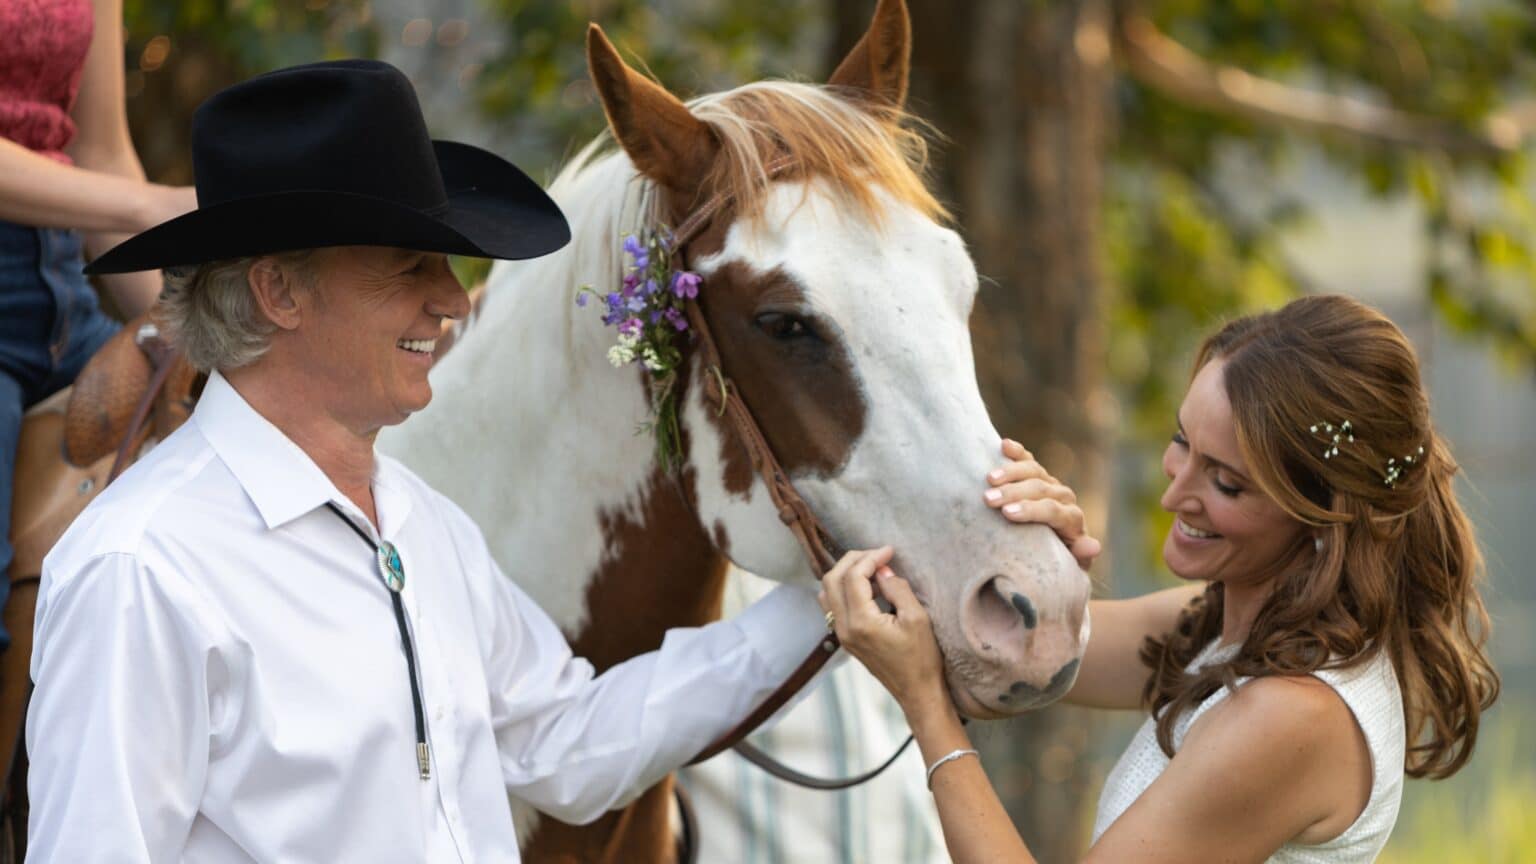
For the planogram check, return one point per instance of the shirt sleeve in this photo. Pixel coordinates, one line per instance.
(118, 728)
(575, 745)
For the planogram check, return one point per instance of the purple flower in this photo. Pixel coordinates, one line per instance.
(630, 327)
(636, 251)
(675, 316)
(631, 280)
(635, 304)
(649, 287)
(655, 315)
(581, 298)
(686, 284)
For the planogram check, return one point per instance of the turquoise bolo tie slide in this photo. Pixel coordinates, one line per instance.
(391, 570)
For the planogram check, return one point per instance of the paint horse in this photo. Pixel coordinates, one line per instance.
(840, 303)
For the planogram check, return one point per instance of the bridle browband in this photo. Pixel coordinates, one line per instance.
(817, 543)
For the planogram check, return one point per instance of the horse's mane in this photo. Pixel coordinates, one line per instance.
(870, 153)
(857, 146)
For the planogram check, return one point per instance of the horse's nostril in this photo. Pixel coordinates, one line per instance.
(992, 613)
(1026, 610)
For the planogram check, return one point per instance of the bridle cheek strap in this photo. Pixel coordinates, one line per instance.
(795, 513)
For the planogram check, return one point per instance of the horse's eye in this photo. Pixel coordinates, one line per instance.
(783, 326)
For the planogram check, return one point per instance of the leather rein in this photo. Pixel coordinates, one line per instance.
(819, 547)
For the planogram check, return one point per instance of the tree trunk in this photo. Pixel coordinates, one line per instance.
(1022, 91)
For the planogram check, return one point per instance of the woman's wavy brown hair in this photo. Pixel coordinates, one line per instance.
(1398, 567)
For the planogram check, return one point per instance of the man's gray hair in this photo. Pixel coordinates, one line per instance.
(210, 314)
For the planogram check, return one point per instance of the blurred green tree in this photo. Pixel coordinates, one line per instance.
(177, 54)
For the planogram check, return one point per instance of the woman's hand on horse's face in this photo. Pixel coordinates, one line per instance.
(1026, 492)
(898, 647)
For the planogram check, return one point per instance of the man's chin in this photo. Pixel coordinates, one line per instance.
(404, 408)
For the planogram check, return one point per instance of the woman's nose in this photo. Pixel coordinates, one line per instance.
(1176, 494)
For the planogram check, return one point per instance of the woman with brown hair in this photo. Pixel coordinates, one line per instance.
(1337, 643)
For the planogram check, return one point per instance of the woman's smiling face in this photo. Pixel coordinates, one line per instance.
(1225, 527)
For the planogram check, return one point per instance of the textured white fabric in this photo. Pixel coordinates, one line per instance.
(1371, 692)
(220, 676)
(847, 724)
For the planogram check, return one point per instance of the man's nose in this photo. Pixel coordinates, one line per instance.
(449, 299)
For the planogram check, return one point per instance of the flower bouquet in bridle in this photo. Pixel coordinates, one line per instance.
(649, 311)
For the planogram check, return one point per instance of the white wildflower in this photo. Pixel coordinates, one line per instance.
(650, 358)
(624, 352)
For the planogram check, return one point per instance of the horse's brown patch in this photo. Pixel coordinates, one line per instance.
(641, 832)
(722, 539)
(661, 571)
(803, 393)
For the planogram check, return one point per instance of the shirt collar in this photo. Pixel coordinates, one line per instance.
(280, 478)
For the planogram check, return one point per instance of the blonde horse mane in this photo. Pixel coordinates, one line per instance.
(856, 146)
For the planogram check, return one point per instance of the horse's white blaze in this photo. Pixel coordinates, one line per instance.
(900, 294)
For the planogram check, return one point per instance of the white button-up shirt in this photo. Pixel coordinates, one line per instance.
(220, 677)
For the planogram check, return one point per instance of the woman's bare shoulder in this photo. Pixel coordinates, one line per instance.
(1274, 762)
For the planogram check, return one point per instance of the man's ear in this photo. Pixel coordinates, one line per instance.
(277, 292)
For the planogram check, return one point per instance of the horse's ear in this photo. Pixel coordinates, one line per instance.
(663, 138)
(882, 58)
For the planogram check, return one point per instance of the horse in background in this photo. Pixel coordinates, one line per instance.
(840, 302)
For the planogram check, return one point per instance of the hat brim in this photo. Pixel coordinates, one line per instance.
(494, 210)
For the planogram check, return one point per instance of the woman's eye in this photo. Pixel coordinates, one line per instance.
(783, 326)
(1179, 439)
(1229, 491)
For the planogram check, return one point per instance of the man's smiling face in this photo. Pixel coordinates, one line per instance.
(369, 328)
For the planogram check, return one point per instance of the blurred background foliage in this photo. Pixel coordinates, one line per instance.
(1127, 172)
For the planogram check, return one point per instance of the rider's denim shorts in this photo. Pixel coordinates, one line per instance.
(50, 324)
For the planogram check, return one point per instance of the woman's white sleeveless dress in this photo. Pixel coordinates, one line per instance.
(1371, 692)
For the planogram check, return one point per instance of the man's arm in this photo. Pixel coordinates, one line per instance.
(575, 744)
(119, 725)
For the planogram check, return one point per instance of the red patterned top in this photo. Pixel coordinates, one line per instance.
(43, 44)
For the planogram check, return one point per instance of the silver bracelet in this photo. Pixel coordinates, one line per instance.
(948, 757)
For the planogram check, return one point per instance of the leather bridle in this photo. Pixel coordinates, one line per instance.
(794, 512)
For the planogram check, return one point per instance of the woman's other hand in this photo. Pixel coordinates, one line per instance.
(898, 647)
(1025, 492)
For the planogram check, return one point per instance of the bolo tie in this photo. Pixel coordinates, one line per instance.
(392, 573)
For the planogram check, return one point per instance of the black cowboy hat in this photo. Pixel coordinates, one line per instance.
(337, 154)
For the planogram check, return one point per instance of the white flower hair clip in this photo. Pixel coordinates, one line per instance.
(1333, 435)
(1344, 433)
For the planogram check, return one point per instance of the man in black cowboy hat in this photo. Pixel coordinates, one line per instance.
(266, 642)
